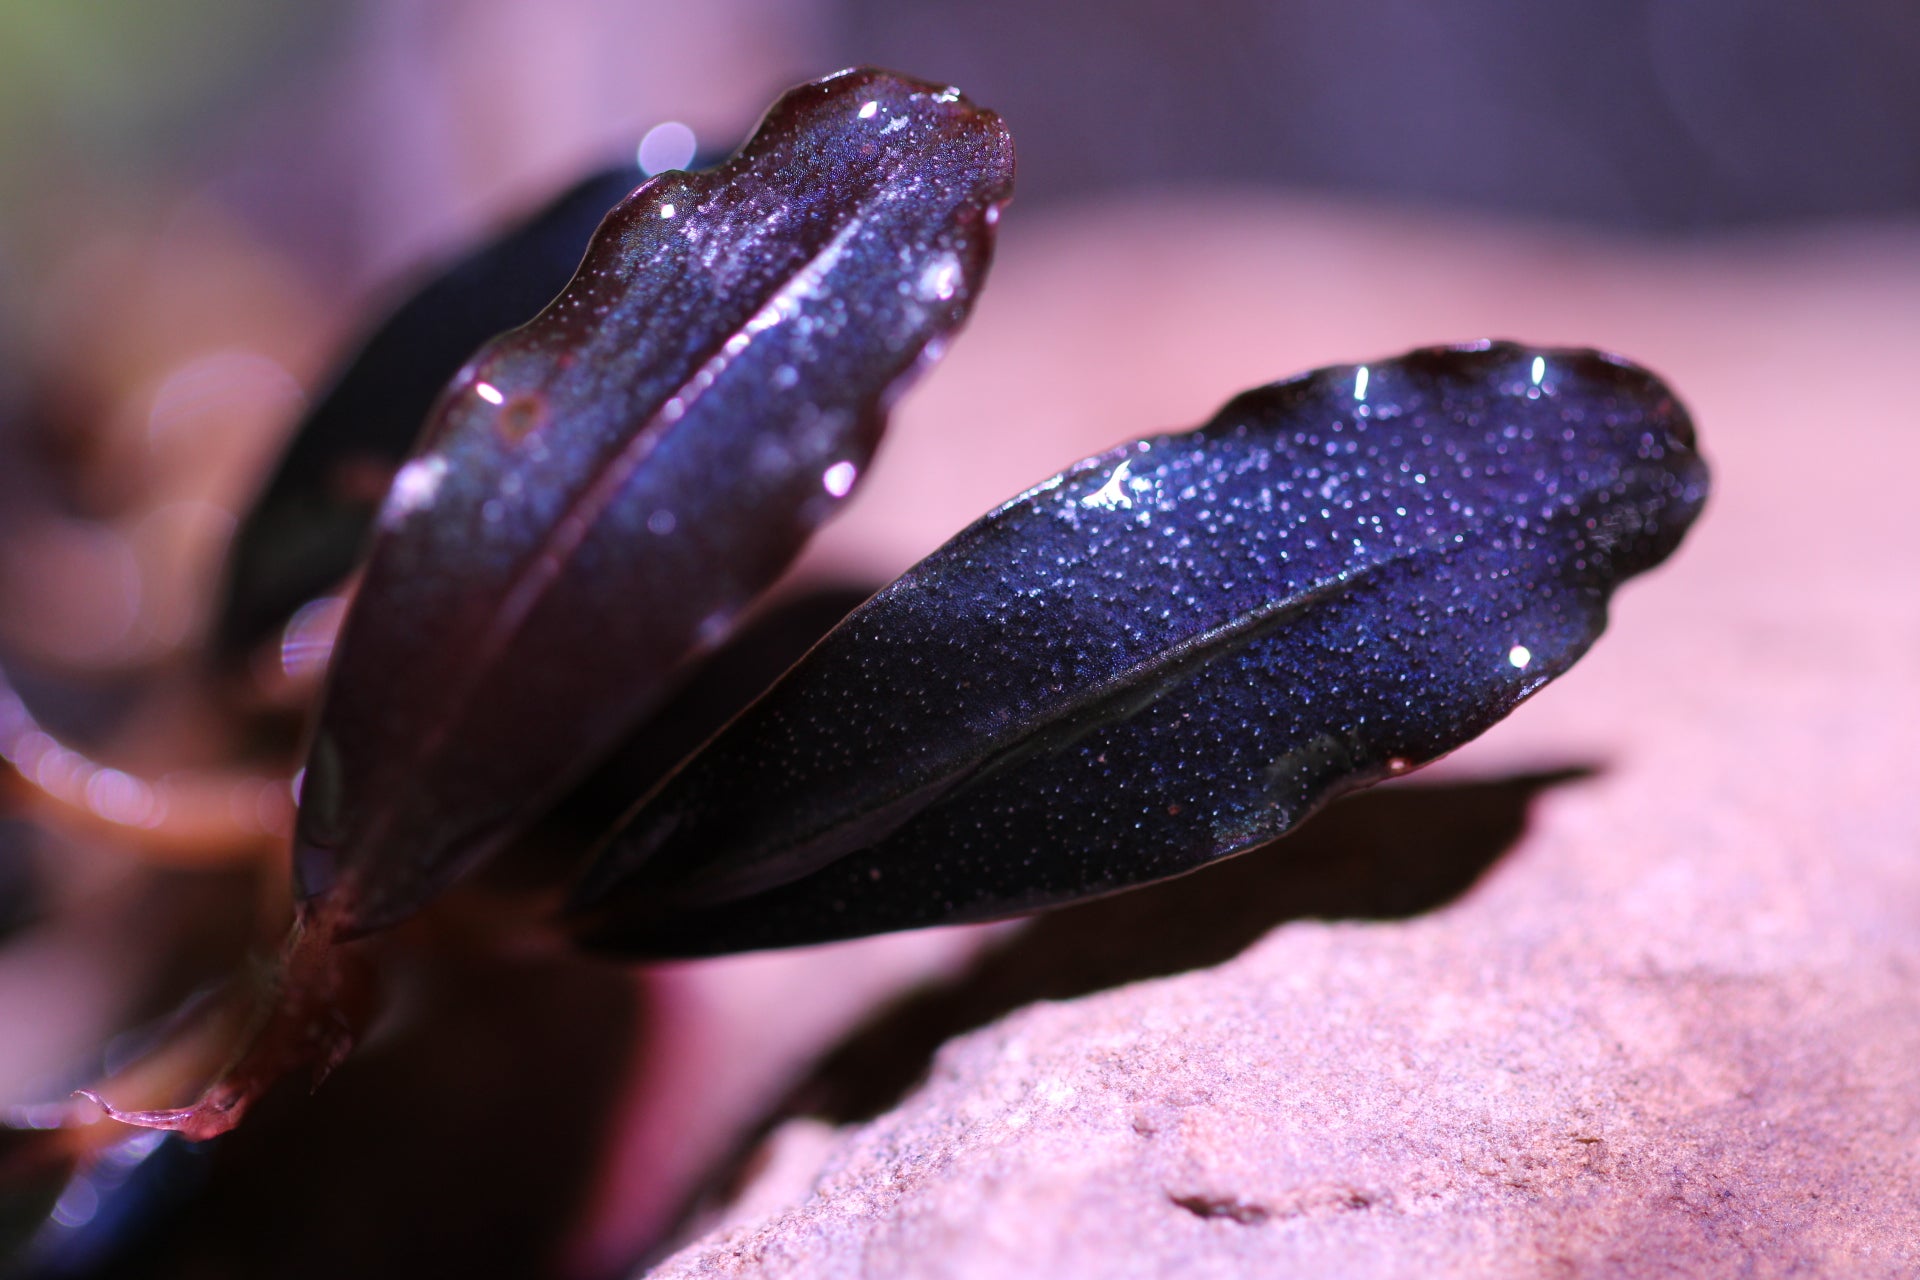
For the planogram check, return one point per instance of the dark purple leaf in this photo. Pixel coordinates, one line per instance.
(599, 493)
(1173, 652)
(309, 525)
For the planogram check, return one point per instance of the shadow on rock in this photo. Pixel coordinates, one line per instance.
(1384, 854)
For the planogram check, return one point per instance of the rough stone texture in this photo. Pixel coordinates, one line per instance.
(1672, 1028)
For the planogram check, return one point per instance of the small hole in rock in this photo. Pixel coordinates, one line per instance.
(1244, 1212)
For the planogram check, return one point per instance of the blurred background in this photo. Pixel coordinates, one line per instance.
(354, 132)
(204, 202)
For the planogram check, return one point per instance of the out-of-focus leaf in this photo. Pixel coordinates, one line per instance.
(110, 1208)
(191, 818)
(309, 525)
(19, 876)
(35, 1167)
(599, 493)
(1173, 652)
(402, 1165)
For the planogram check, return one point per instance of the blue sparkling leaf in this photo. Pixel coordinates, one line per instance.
(1170, 653)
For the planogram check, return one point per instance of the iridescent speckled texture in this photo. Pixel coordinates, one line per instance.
(1173, 652)
(601, 491)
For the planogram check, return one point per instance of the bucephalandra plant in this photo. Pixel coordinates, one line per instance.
(1167, 654)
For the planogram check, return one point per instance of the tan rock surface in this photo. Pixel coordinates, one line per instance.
(1670, 1028)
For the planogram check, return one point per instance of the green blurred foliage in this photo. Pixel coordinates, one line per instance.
(124, 85)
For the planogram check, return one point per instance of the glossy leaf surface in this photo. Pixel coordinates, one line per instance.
(599, 493)
(1172, 652)
(308, 527)
(774, 636)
